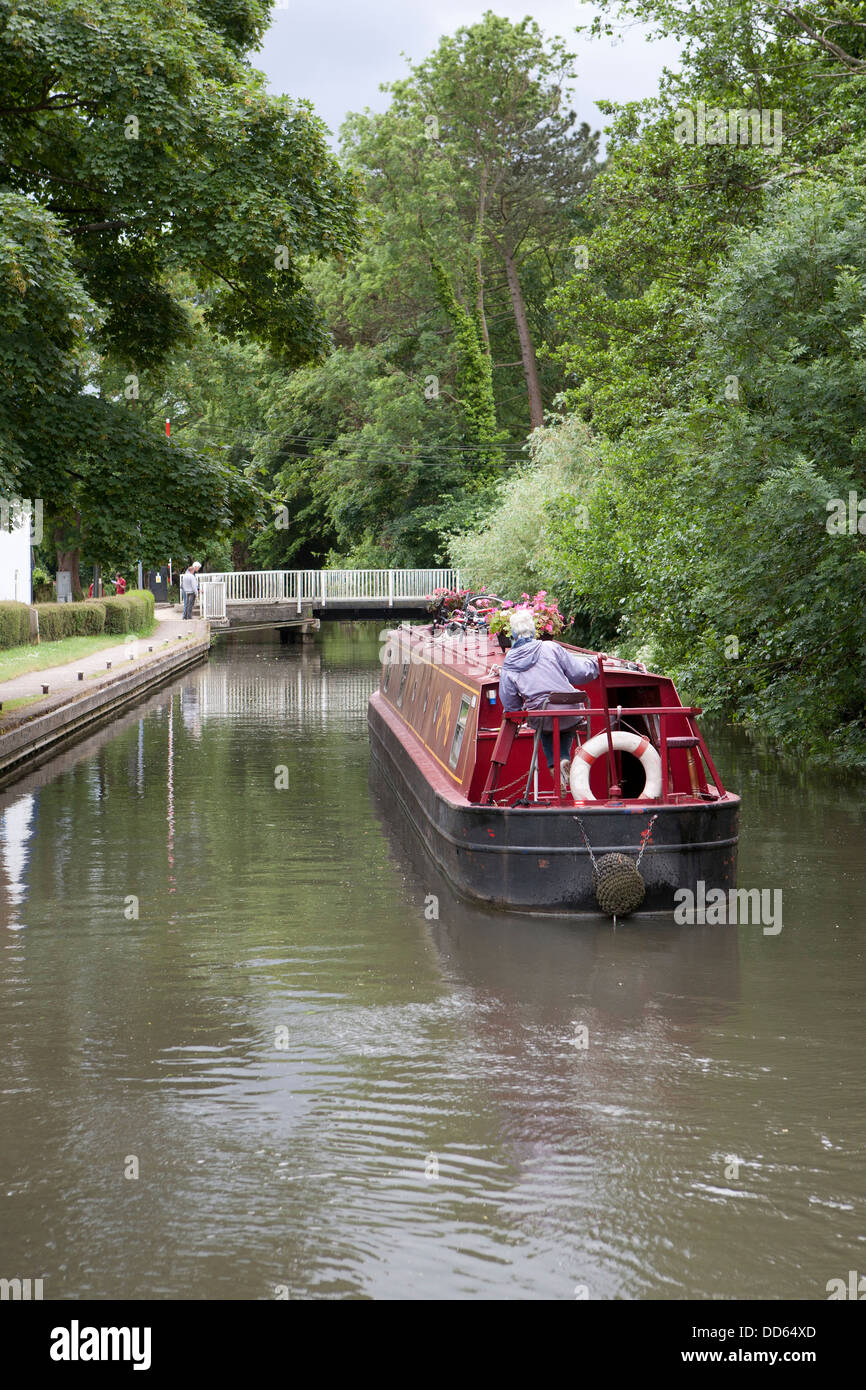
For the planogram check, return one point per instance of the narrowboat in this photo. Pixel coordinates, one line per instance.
(644, 813)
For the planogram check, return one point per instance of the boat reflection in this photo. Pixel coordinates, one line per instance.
(684, 976)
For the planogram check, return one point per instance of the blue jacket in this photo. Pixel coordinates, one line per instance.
(532, 669)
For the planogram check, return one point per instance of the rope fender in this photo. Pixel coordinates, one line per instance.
(617, 882)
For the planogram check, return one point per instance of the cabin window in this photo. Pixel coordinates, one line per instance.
(426, 698)
(459, 730)
(389, 659)
(436, 709)
(404, 673)
(414, 689)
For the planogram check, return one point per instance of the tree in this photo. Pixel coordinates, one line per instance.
(44, 314)
(497, 91)
(720, 519)
(667, 205)
(366, 462)
(715, 331)
(473, 181)
(504, 162)
(155, 146)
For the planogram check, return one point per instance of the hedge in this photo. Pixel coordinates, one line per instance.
(14, 623)
(128, 612)
(58, 620)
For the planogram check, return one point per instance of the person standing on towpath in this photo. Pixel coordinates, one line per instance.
(189, 587)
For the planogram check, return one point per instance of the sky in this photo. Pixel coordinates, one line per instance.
(337, 52)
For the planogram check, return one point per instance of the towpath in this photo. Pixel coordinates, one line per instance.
(170, 629)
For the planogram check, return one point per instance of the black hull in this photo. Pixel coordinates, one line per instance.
(536, 861)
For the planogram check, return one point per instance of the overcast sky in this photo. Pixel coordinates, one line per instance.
(336, 52)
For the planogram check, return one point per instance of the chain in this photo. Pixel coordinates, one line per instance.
(586, 841)
(646, 838)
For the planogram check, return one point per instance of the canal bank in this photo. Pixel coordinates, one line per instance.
(83, 694)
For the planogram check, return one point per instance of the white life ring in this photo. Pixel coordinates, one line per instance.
(594, 748)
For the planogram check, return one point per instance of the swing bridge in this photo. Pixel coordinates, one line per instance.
(247, 599)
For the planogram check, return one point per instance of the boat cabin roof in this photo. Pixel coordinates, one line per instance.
(441, 692)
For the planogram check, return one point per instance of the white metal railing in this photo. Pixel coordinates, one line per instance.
(212, 599)
(319, 587)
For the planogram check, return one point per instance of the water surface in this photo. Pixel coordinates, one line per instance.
(329, 1090)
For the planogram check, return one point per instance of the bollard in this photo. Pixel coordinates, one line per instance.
(45, 690)
(81, 675)
(108, 665)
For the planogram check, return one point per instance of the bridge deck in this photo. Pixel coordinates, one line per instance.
(262, 597)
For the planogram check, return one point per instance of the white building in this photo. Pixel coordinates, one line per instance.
(16, 558)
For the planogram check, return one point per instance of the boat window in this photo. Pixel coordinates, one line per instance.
(459, 730)
(404, 673)
(389, 661)
(436, 709)
(414, 689)
(426, 698)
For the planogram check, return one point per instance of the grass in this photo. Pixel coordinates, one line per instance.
(17, 661)
(16, 704)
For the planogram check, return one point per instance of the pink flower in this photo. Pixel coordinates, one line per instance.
(548, 627)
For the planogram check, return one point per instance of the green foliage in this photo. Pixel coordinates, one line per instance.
(399, 435)
(708, 530)
(375, 377)
(169, 138)
(663, 215)
(537, 526)
(129, 612)
(474, 372)
(14, 623)
(511, 552)
(44, 314)
(58, 620)
(136, 143)
(357, 452)
(716, 337)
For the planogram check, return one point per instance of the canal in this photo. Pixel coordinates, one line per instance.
(252, 1047)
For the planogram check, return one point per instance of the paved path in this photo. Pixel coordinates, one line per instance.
(170, 626)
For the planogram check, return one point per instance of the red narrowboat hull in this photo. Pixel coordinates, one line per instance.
(533, 857)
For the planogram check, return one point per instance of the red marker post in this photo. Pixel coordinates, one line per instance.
(168, 429)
